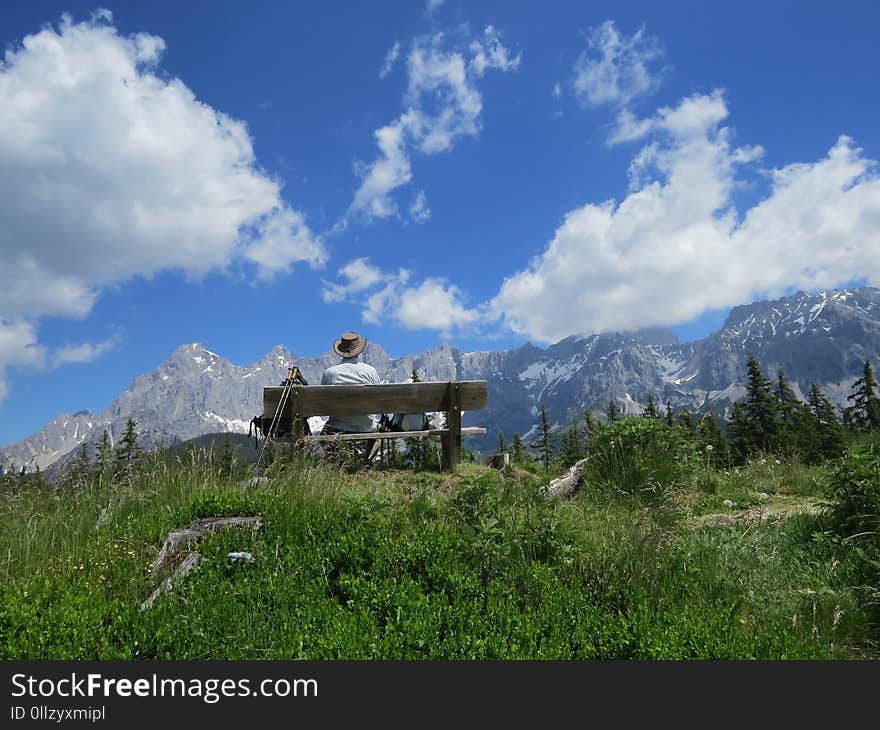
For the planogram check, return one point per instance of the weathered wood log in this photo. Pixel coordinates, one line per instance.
(568, 484)
(177, 540)
(190, 562)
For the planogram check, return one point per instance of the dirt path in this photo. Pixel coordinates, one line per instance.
(774, 510)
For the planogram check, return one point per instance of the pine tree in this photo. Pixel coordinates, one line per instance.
(830, 435)
(739, 434)
(710, 439)
(650, 409)
(686, 420)
(77, 476)
(613, 413)
(796, 428)
(544, 444)
(128, 453)
(670, 415)
(227, 457)
(518, 449)
(104, 457)
(591, 428)
(760, 407)
(502, 444)
(571, 451)
(864, 413)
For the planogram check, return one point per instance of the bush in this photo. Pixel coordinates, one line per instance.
(640, 457)
(854, 489)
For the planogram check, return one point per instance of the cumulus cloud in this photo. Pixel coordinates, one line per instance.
(358, 275)
(389, 297)
(85, 352)
(18, 348)
(615, 69)
(676, 246)
(442, 107)
(113, 169)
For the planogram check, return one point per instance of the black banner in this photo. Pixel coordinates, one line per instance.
(234, 693)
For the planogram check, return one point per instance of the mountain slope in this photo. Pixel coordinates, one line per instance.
(823, 338)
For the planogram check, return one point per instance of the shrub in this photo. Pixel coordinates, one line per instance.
(640, 457)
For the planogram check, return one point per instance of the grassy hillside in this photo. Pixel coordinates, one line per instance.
(398, 564)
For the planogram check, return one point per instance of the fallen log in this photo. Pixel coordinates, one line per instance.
(177, 540)
(190, 562)
(568, 484)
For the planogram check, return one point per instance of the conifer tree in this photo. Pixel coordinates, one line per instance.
(830, 437)
(591, 428)
(544, 444)
(502, 444)
(864, 413)
(686, 420)
(739, 434)
(796, 427)
(670, 415)
(571, 451)
(416, 451)
(518, 449)
(710, 439)
(128, 453)
(613, 413)
(760, 408)
(650, 409)
(77, 476)
(227, 457)
(104, 457)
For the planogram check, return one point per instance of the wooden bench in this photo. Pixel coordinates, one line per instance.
(453, 397)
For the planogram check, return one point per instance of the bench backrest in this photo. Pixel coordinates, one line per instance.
(340, 400)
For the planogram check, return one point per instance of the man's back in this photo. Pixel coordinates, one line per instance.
(350, 372)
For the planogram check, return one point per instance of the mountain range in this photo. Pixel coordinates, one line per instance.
(823, 338)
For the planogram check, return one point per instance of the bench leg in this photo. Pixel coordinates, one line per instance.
(452, 440)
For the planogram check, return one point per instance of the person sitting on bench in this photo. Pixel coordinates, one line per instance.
(350, 372)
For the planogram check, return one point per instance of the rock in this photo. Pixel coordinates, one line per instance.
(763, 496)
(242, 556)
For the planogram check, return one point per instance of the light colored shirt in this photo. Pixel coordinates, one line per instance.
(351, 372)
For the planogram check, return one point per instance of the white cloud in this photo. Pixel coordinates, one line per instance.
(85, 352)
(419, 210)
(386, 297)
(18, 348)
(359, 274)
(443, 106)
(434, 304)
(557, 90)
(491, 53)
(112, 169)
(390, 58)
(615, 69)
(433, 5)
(676, 246)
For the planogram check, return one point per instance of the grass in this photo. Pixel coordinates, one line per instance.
(397, 564)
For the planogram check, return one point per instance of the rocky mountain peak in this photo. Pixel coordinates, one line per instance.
(823, 338)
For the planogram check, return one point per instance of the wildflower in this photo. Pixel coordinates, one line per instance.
(778, 462)
(709, 447)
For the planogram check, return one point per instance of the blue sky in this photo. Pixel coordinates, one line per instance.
(481, 173)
